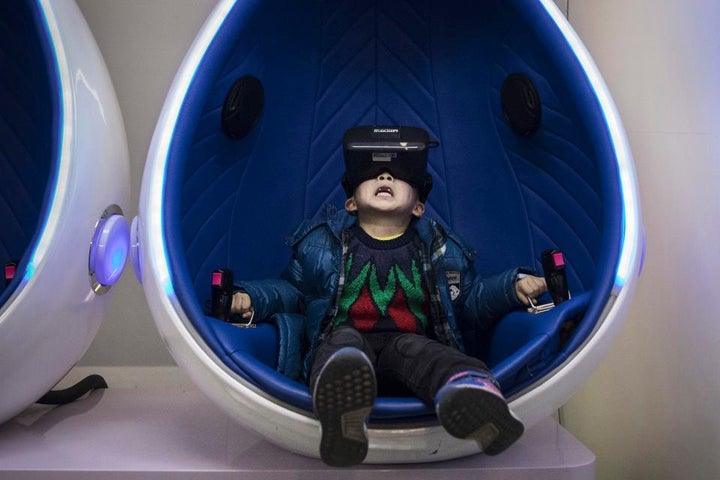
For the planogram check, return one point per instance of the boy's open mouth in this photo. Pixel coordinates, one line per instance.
(384, 191)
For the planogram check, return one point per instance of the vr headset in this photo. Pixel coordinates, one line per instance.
(400, 151)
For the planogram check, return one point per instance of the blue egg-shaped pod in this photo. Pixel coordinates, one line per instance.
(532, 156)
(64, 180)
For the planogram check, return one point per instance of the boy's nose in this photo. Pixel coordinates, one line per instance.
(385, 176)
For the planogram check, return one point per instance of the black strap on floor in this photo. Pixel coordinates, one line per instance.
(61, 397)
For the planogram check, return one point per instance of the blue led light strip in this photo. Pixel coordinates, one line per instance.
(632, 228)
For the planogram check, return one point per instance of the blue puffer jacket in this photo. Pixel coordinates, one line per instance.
(304, 299)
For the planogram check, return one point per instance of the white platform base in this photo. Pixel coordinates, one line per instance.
(173, 432)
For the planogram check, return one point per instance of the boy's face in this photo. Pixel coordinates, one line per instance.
(385, 195)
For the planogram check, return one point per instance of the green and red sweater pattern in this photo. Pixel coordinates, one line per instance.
(384, 287)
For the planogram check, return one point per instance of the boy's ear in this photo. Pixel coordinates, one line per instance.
(350, 205)
(418, 209)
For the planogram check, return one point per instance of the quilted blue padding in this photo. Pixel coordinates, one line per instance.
(28, 132)
(329, 65)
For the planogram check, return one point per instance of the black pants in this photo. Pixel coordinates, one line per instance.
(403, 361)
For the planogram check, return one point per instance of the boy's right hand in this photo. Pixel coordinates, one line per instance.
(242, 305)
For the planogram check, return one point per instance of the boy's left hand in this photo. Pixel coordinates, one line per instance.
(529, 286)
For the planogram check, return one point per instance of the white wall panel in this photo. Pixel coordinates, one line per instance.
(650, 410)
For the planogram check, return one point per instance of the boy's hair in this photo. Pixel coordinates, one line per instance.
(400, 151)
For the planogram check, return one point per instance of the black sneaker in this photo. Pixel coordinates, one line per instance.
(343, 397)
(473, 408)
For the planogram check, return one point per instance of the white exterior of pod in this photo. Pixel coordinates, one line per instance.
(52, 316)
(298, 431)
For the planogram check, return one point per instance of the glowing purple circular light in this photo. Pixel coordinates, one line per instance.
(109, 249)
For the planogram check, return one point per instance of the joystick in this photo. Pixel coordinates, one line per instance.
(553, 262)
(222, 291)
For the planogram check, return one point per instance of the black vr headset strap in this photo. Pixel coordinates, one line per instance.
(427, 186)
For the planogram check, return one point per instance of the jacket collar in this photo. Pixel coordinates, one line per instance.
(428, 230)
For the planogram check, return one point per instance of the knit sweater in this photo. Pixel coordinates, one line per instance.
(385, 290)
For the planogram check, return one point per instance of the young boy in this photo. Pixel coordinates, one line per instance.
(383, 290)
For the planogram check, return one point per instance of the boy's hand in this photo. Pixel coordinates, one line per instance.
(530, 286)
(242, 305)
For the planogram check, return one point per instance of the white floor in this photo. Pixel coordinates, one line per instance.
(152, 424)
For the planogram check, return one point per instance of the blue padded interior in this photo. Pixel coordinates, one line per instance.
(329, 65)
(28, 132)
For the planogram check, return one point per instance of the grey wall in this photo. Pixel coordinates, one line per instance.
(143, 42)
(650, 411)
